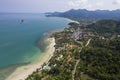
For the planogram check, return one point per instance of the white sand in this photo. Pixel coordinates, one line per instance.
(23, 72)
(70, 20)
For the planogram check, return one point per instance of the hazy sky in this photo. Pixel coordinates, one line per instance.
(38, 6)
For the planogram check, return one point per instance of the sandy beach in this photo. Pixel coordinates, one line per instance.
(70, 20)
(23, 72)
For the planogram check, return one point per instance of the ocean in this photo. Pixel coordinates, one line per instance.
(18, 35)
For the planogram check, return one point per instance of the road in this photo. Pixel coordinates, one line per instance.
(73, 73)
(77, 62)
(87, 42)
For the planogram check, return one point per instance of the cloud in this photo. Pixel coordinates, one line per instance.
(116, 2)
(73, 4)
(85, 4)
(99, 4)
(77, 3)
(89, 6)
(83, 1)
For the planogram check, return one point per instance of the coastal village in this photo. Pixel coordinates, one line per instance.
(66, 63)
(59, 39)
(68, 42)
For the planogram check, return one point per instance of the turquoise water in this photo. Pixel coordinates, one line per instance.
(17, 41)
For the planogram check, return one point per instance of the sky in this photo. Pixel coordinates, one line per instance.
(39, 6)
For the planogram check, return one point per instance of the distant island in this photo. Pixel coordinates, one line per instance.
(84, 51)
(83, 14)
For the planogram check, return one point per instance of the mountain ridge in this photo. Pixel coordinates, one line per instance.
(84, 14)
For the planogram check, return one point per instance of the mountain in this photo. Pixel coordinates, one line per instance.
(83, 14)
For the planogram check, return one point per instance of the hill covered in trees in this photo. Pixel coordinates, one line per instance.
(83, 14)
(84, 52)
(105, 28)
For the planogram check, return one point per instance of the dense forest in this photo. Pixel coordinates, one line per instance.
(106, 26)
(100, 59)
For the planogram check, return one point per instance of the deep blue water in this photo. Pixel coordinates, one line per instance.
(17, 41)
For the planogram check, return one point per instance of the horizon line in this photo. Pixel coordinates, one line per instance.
(59, 11)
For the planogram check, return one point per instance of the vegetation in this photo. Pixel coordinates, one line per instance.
(101, 60)
(86, 15)
(81, 53)
(106, 27)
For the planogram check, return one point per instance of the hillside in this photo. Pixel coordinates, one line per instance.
(84, 53)
(83, 14)
(105, 27)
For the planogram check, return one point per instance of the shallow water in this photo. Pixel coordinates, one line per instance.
(18, 40)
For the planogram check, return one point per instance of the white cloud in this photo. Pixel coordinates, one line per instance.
(70, 3)
(89, 6)
(99, 4)
(116, 2)
(82, 1)
(85, 4)
(77, 3)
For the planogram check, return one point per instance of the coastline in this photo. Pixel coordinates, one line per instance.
(23, 72)
(70, 20)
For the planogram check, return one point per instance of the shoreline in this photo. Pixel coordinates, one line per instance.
(70, 20)
(23, 72)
